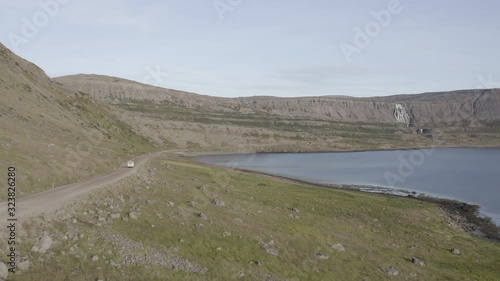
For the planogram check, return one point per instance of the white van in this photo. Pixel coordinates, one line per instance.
(130, 164)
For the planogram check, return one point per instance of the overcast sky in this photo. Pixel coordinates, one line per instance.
(264, 47)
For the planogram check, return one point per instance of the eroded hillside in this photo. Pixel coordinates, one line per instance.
(187, 120)
(54, 135)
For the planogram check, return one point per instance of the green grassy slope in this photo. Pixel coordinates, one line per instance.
(377, 231)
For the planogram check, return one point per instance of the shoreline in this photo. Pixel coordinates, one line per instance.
(244, 152)
(463, 215)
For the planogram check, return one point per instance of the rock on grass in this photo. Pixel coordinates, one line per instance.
(391, 271)
(4, 270)
(133, 215)
(43, 244)
(417, 261)
(321, 256)
(339, 247)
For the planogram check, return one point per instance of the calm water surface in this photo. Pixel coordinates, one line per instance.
(468, 175)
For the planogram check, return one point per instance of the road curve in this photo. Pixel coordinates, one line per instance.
(49, 201)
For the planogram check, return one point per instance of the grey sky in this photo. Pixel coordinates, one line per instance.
(258, 47)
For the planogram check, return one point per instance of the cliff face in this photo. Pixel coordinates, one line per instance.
(452, 107)
(429, 109)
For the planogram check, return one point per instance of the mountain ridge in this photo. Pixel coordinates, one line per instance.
(428, 109)
(93, 76)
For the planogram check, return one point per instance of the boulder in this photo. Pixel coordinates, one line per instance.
(417, 261)
(95, 258)
(201, 187)
(455, 251)
(4, 270)
(43, 244)
(132, 215)
(217, 202)
(339, 247)
(321, 256)
(269, 247)
(150, 202)
(272, 251)
(24, 265)
(115, 216)
(391, 271)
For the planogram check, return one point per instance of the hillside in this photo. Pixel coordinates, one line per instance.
(459, 118)
(54, 135)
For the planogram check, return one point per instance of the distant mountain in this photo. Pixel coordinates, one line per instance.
(429, 109)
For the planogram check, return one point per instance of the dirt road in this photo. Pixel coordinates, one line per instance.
(49, 201)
